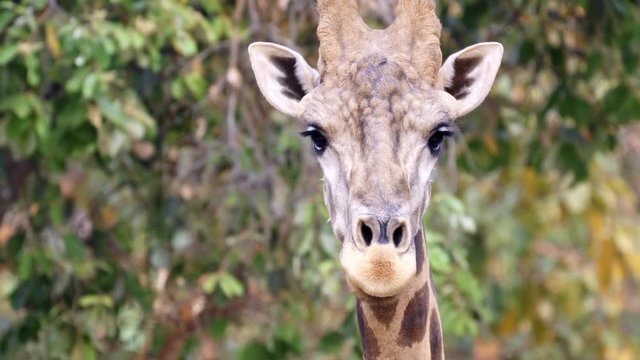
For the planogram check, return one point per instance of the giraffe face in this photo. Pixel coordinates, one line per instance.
(377, 138)
(377, 128)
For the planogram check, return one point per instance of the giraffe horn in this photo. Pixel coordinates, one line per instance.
(417, 23)
(340, 26)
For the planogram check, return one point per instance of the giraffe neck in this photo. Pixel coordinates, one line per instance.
(405, 326)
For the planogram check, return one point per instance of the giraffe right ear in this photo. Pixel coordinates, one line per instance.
(468, 75)
(283, 76)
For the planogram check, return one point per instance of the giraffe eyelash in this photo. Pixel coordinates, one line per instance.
(320, 142)
(445, 129)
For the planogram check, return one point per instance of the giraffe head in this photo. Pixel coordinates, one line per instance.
(377, 111)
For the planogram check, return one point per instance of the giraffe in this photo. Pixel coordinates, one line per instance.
(377, 111)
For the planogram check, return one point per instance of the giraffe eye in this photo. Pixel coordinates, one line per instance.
(435, 141)
(319, 141)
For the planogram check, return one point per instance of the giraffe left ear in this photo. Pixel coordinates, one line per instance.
(468, 75)
(283, 76)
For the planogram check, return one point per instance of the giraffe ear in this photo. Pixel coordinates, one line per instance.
(468, 75)
(283, 76)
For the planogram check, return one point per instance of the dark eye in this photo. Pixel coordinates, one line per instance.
(435, 141)
(319, 141)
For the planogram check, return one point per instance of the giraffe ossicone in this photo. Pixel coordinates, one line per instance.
(377, 111)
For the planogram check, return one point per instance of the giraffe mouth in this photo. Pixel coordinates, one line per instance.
(379, 271)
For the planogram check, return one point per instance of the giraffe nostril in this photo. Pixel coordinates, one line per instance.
(397, 235)
(367, 233)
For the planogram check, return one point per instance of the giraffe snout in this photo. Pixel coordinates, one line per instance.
(370, 230)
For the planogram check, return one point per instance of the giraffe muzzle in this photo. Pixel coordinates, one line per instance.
(380, 260)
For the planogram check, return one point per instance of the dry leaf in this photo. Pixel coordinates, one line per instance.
(6, 232)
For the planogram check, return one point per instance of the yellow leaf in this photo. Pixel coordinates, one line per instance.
(596, 224)
(491, 144)
(605, 265)
(78, 351)
(530, 184)
(633, 261)
(623, 240)
(577, 199)
(625, 353)
(108, 217)
(52, 40)
(606, 196)
(629, 251)
(509, 323)
(617, 276)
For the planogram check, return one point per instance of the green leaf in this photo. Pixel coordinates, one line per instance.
(112, 110)
(72, 114)
(439, 259)
(83, 350)
(621, 104)
(230, 286)
(209, 282)
(218, 327)
(74, 84)
(130, 318)
(5, 18)
(255, 351)
(197, 84)
(331, 342)
(19, 104)
(469, 285)
(33, 69)
(74, 247)
(89, 85)
(25, 265)
(573, 106)
(570, 158)
(96, 300)
(185, 44)
(7, 53)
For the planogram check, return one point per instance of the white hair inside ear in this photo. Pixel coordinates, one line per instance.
(468, 75)
(283, 76)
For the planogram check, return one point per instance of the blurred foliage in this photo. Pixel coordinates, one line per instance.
(153, 205)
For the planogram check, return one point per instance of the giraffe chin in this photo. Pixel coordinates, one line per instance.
(378, 271)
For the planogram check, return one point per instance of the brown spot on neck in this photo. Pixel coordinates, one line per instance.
(435, 337)
(370, 347)
(414, 322)
(383, 309)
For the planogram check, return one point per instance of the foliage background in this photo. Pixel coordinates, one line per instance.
(152, 205)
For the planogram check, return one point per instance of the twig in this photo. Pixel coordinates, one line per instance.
(232, 71)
